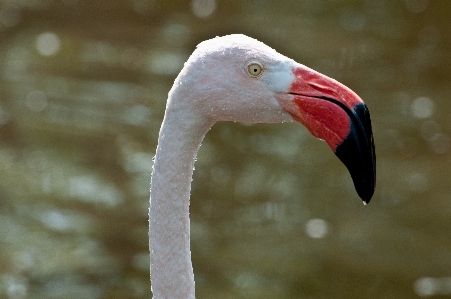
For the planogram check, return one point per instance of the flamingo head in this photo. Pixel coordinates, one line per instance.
(238, 78)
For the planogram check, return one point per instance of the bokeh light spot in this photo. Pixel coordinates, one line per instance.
(203, 8)
(176, 34)
(422, 107)
(316, 228)
(426, 286)
(48, 44)
(16, 286)
(36, 101)
(166, 63)
(136, 115)
(417, 182)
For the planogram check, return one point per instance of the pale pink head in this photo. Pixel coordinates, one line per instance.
(238, 78)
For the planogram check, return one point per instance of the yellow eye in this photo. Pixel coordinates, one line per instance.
(254, 69)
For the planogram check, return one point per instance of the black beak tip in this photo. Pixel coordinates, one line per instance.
(365, 191)
(362, 170)
(358, 154)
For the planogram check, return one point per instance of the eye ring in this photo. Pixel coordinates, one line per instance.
(254, 68)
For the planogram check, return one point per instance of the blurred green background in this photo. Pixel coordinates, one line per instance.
(83, 87)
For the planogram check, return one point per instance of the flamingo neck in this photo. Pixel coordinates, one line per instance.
(180, 137)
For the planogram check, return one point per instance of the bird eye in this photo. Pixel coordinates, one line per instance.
(254, 69)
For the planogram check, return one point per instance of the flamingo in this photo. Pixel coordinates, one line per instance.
(237, 78)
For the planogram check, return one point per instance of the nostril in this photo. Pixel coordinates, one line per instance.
(321, 88)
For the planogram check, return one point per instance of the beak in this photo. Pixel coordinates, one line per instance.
(334, 113)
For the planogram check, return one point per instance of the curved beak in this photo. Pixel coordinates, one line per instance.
(334, 113)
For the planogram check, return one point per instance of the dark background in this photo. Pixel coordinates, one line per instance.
(83, 86)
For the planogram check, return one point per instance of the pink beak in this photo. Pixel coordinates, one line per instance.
(336, 114)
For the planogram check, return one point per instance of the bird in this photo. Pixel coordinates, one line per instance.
(238, 78)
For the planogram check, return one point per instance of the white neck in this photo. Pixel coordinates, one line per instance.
(169, 226)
